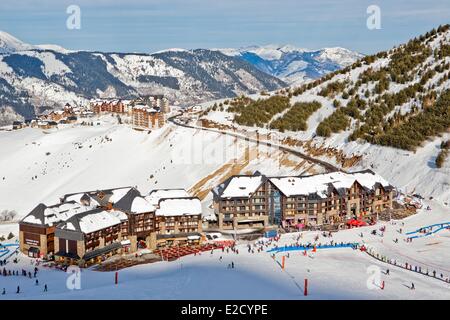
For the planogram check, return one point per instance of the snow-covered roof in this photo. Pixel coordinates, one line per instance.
(118, 214)
(43, 215)
(90, 221)
(134, 202)
(155, 195)
(141, 205)
(118, 194)
(242, 186)
(78, 197)
(290, 186)
(179, 207)
(319, 184)
(145, 108)
(110, 195)
(368, 179)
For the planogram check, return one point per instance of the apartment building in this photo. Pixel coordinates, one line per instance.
(300, 200)
(178, 221)
(144, 117)
(242, 201)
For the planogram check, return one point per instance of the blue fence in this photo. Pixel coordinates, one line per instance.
(442, 226)
(303, 248)
(5, 249)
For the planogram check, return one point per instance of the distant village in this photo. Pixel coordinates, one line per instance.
(143, 113)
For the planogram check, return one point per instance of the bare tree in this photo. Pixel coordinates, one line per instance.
(12, 214)
(4, 215)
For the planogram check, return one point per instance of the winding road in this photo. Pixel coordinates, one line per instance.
(328, 166)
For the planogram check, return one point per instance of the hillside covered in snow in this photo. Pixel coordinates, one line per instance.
(389, 112)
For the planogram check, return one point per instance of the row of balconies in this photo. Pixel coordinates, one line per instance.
(243, 209)
(237, 215)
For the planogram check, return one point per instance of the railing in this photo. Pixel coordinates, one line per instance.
(405, 266)
(311, 247)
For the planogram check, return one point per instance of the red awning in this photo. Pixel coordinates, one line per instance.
(357, 223)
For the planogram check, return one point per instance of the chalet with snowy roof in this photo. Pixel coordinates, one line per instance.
(55, 115)
(301, 200)
(69, 110)
(89, 237)
(36, 230)
(46, 124)
(86, 114)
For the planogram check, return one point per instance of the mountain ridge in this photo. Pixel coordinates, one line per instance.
(295, 65)
(49, 76)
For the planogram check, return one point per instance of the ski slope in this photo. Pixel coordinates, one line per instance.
(340, 273)
(39, 166)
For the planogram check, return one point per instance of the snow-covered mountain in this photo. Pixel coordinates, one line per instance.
(9, 43)
(50, 76)
(295, 65)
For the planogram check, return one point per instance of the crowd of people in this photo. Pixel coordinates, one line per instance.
(9, 271)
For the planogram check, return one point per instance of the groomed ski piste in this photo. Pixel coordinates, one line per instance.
(332, 273)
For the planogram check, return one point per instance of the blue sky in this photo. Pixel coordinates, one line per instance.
(152, 25)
